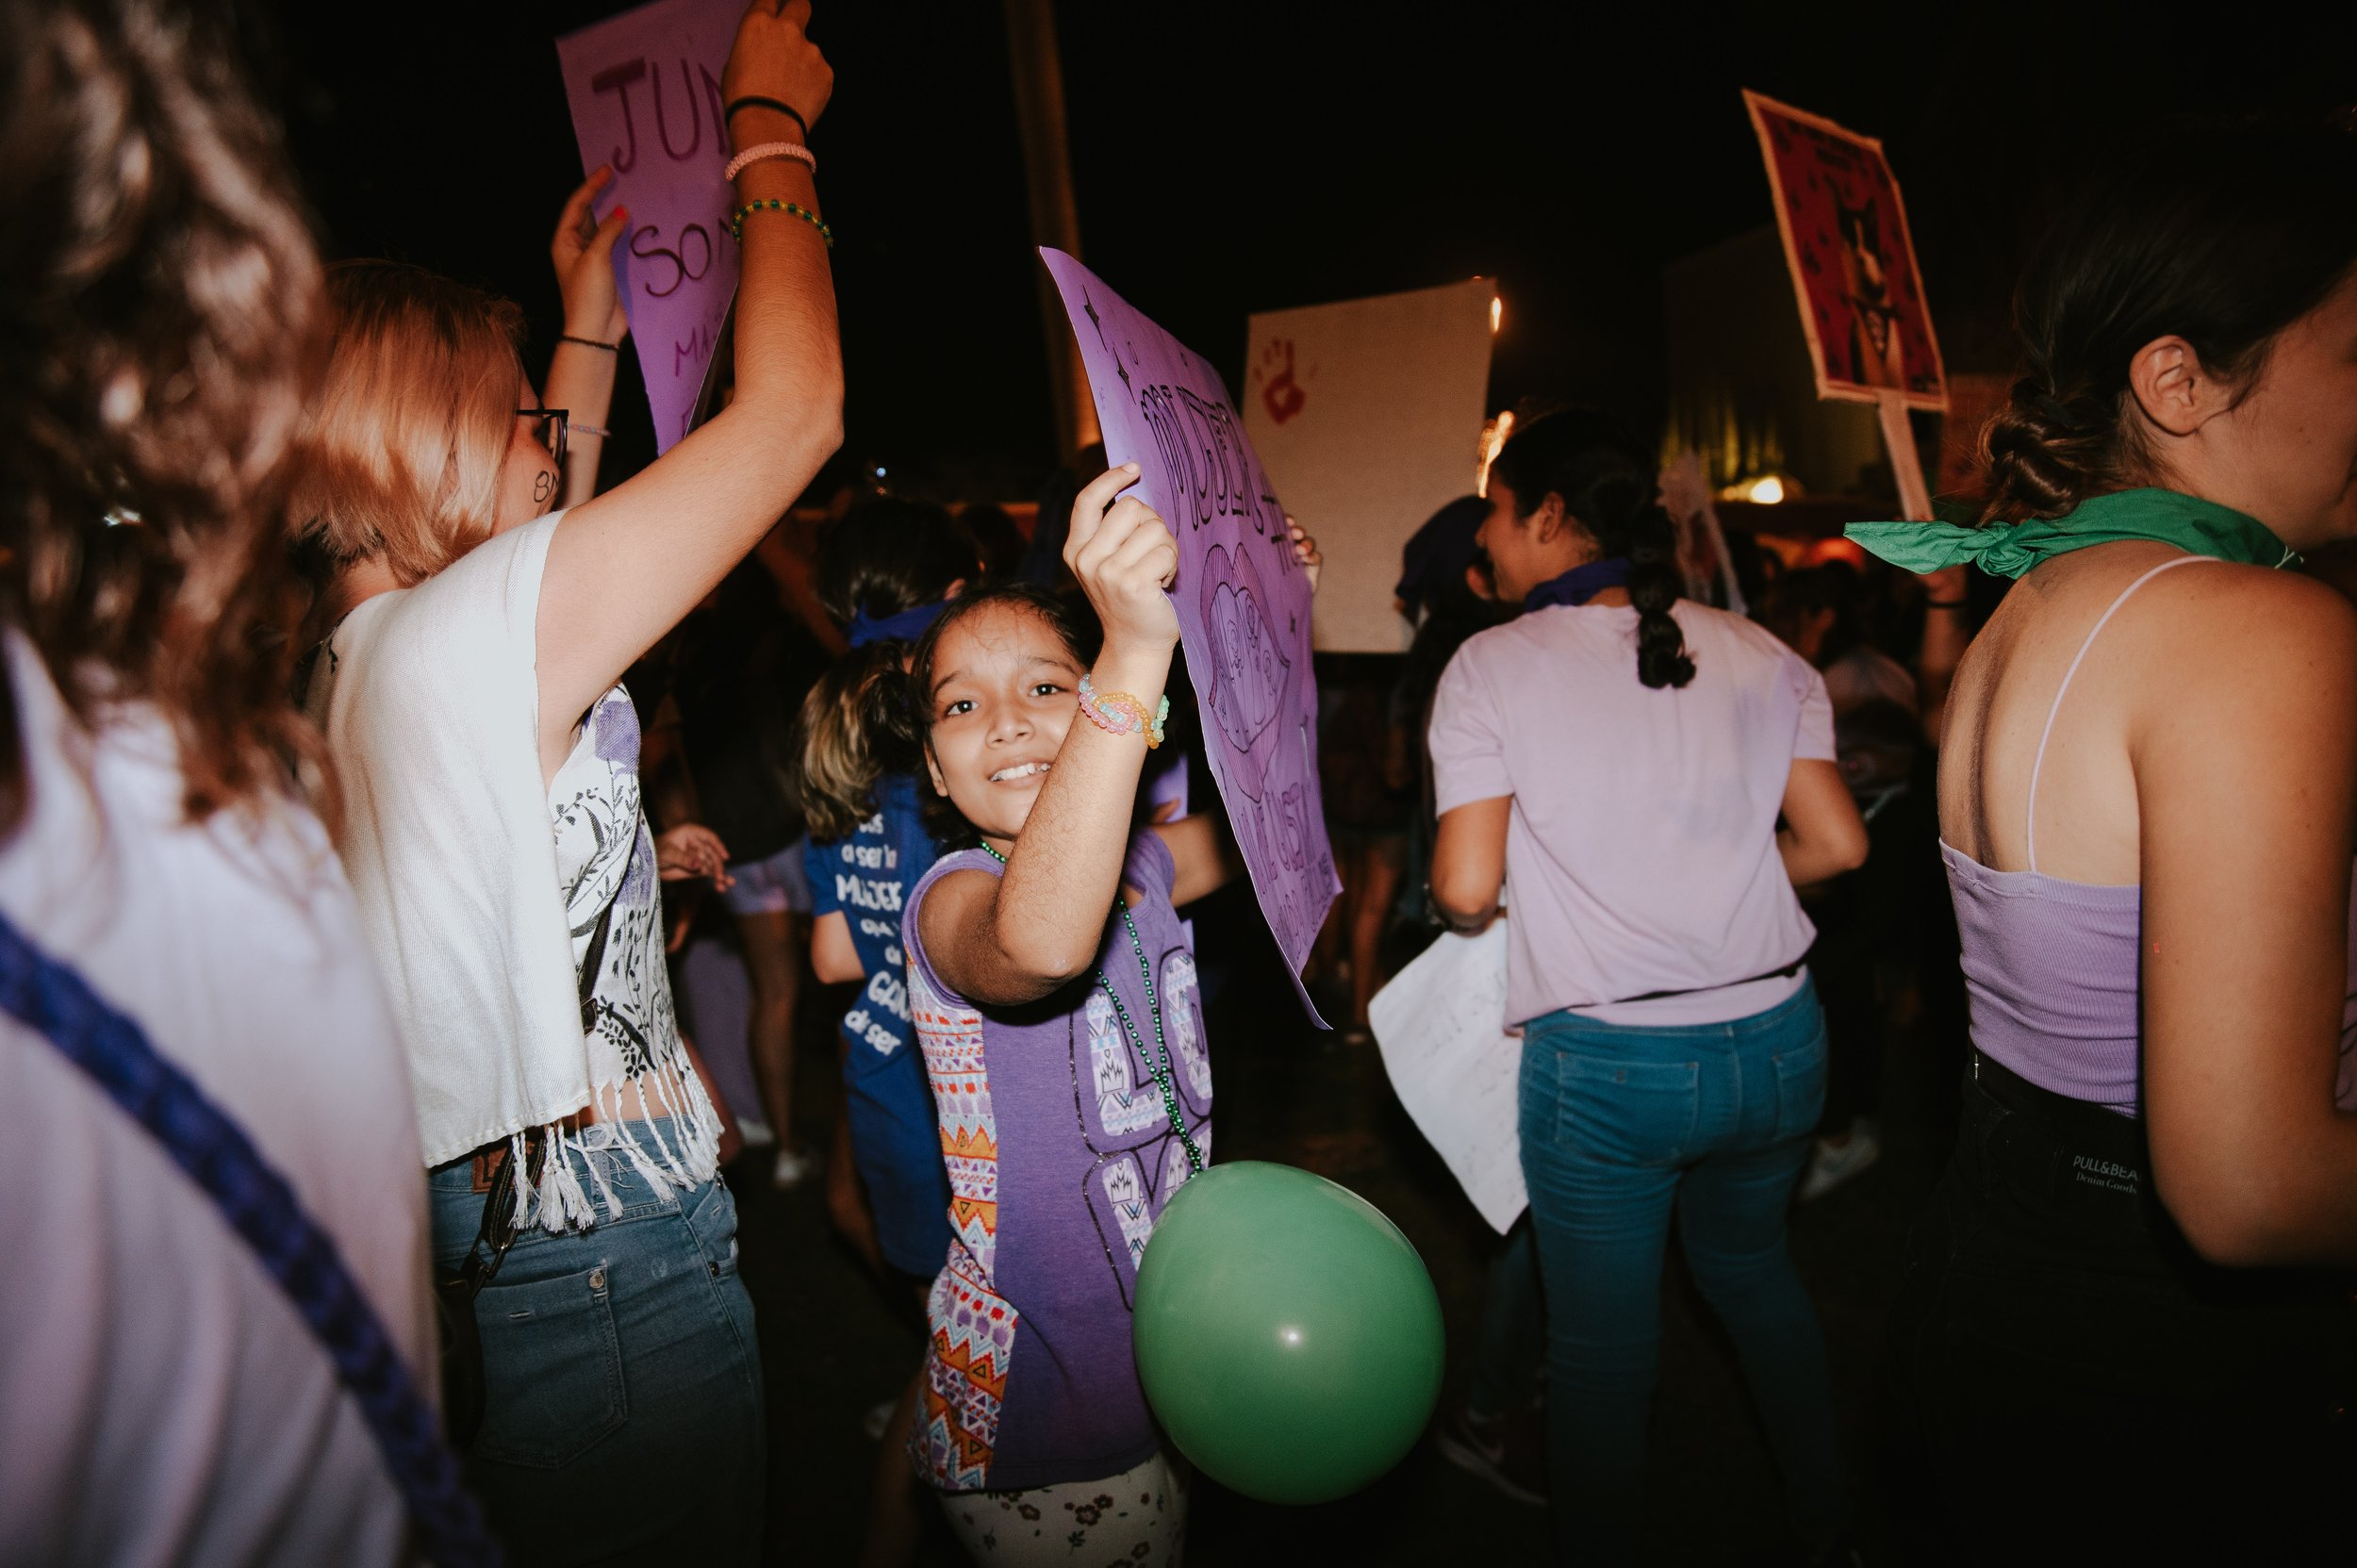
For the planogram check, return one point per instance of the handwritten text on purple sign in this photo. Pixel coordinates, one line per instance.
(645, 93)
(1243, 599)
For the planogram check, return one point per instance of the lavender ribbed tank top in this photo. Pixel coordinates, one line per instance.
(2051, 966)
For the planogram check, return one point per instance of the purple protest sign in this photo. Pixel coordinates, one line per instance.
(1243, 599)
(645, 90)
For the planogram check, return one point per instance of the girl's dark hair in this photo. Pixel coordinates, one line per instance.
(1074, 627)
(888, 554)
(2221, 234)
(1607, 480)
(160, 317)
(885, 557)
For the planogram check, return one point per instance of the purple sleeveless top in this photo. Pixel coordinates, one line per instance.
(1061, 1159)
(2051, 966)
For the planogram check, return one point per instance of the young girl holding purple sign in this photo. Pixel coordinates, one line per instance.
(1049, 976)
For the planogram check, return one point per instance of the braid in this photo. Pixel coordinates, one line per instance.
(1607, 483)
(2043, 456)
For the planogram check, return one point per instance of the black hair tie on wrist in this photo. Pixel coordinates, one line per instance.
(751, 102)
(589, 342)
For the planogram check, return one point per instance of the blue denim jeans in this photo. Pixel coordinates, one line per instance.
(623, 1417)
(1619, 1125)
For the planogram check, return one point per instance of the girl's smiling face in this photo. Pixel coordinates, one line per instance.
(1005, 690)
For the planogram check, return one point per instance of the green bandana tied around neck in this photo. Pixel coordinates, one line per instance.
(2009, 550)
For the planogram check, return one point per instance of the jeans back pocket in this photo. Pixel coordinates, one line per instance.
(1799, 1086)
(553, 1369)
(1630, 1113)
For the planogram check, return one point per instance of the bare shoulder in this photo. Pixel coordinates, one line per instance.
(2246, 666)
(2226, 619)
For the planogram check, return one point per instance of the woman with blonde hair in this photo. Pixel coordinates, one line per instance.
(496, 841)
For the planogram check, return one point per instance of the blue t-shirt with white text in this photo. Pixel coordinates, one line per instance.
(895, 1142)
(865, 875)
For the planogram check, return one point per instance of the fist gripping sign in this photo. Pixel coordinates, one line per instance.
(1241, 598)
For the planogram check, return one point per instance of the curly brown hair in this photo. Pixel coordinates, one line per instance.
(159, 309)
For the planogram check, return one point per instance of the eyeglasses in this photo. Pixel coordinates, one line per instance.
(550, 427)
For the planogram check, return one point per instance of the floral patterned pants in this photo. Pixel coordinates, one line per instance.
(1139, 1517)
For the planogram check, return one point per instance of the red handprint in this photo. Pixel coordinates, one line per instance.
(1282, 396)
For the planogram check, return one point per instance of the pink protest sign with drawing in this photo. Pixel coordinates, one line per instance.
(1243, 599)
(645, 91)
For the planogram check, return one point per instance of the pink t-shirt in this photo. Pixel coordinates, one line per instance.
(1641, 851)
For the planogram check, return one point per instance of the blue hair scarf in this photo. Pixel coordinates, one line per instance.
(905, 627)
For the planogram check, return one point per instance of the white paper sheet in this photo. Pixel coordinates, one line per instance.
(1368, 416)
(1441, 1023)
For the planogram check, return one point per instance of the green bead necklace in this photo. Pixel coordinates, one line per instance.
(1157, 1064)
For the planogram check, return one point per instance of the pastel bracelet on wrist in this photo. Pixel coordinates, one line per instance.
(1118, 713)
(751, 156)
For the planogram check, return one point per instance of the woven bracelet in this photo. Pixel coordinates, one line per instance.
(737, 219)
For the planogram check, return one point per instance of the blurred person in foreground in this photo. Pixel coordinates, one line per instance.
(192, 1015)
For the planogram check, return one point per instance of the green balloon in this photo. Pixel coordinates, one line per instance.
(1288, 1336)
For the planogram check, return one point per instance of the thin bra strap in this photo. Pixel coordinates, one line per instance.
(2030, 830)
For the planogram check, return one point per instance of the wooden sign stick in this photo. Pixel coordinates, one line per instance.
(1915, 497)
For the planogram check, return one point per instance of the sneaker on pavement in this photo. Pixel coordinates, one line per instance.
(791, 1168)
(1500, 1450)
(1832, 1163)
(756, 1132)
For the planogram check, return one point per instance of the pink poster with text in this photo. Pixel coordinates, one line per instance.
(644, 87)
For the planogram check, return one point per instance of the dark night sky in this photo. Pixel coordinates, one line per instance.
(1233, 155)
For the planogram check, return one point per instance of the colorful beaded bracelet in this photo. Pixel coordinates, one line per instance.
(751, 156)
(1121, 714)
(737, 219)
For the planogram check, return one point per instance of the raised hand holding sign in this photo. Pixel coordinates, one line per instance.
(650, 103)
(1241, 594)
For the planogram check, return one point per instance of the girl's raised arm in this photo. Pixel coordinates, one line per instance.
(624, 567)
(1010, 939)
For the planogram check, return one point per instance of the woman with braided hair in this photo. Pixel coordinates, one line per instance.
(2122, 1333)
(1624, 758)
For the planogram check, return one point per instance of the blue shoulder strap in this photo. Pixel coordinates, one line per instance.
(51, 999)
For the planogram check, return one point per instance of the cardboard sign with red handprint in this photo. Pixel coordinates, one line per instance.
(1241, 598)
(1369, 415)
